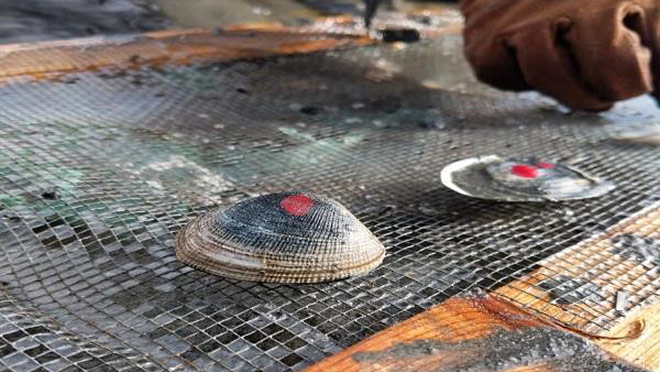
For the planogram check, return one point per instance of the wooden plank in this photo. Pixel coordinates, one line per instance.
(643, 351)
(455, 320)
(472, 333)
(53, 59)
(594, 261)
(177, 47)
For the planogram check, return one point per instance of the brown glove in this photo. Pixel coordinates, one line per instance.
(585, 53)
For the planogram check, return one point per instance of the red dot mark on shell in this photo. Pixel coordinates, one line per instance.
(545, 165)
(524, 171)
(297, 205)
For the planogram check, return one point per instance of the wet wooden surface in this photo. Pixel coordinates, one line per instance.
(615, 273)
(52, 59)
(175, 47)
(635, 338)
(455, 320)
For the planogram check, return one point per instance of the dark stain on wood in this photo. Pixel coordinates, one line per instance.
(637, 247)
(501, 350)
(480, 332)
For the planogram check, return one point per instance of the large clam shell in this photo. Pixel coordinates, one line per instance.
(283, 238)
(519, 180)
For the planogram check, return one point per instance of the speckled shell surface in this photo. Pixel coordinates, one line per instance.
(519, 180)
(281, 238)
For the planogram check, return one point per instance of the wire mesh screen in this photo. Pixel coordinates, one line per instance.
(99, 170)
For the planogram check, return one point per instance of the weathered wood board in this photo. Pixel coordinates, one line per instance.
(453, 335)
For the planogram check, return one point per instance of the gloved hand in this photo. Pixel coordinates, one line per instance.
(585, 53)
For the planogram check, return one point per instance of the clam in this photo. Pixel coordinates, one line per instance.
(526, 179)
(283, 238)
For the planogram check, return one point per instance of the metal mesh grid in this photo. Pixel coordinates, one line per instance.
(100, 170)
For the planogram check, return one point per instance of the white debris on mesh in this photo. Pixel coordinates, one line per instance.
(175, 168)
(621, 301)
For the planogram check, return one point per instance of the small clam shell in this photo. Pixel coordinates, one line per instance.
(282, 238)
(520, 180)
